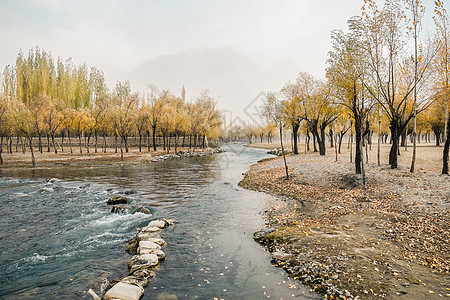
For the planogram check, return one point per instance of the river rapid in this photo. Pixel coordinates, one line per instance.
(58, 239)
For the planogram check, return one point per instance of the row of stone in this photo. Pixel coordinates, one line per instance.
(182, 154)
(147, 253)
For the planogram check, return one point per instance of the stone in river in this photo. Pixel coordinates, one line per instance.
(142, 261)
(125, 291)
(161, 255)
(141, 281)
(145, 236)
(146, 245)
(117, 200)
(150, 229)
(144, 273)
(145, 211)
(158, 241)
(157, 223)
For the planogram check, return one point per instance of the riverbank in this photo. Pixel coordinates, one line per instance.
(110, 156)
(389, 240)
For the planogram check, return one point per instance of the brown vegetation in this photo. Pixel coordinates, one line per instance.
(388, 240)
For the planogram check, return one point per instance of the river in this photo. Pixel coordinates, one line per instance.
(59, 239)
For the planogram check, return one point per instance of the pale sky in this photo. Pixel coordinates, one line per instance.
(117, 36)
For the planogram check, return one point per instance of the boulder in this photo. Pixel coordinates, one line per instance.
(144, 273)
(132, 246)
(161, 255)
(117, 200)
(119, 209)
(125, 291)
(157, 223)
(150, 229)
(144, 246)
(262, 233)
(145, 236)
(141, 281)
(142, 261)
(145, 211)
(158, 241)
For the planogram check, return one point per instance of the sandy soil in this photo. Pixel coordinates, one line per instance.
(46, 158)
(388, 240)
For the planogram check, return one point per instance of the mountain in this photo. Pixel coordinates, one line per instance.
(232, 78)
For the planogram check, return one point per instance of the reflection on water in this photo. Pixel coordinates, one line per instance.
(58, 239)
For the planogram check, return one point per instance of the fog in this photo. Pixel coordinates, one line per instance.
(236, 49)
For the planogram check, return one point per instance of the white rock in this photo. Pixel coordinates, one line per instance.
(161, 255)
(158, 241)
(150, 229)
(157, 223)
(143, 261)
(145, 236)
(281, 256)
(125, 291)
(144, 246)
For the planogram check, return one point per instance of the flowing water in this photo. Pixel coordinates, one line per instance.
(59, 238)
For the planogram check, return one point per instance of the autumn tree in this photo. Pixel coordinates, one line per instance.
(272, 111)
(122, 113)
(346, 73)
(442, 66)
(293, 109)
(392, 77)
(319, 110)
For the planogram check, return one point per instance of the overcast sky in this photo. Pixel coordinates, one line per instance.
(117, 36)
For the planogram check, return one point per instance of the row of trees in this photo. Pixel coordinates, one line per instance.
(41, 99)
(379, 71)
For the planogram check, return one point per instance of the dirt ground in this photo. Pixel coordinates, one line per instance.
(46, 158)
(388, 240)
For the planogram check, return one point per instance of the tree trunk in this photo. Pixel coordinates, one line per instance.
(321, 141)
(446, 151)
(1, 150)
(314, 142)
(282, 151)
(79, 142)
(115, 143)
(95, 141)
(121, 148)
(48, 143)
(62, 141)
(164, 141)
(341, 137)
(154, 137)
(70, 141)
(176, 143)
(393, 153)
(33, 160)
(54, 143)
(40, 143)
(437, 133)
(140, 142)
(87, 141)
(308, 139)
(331, 138)
(104, 142)
(295, 128)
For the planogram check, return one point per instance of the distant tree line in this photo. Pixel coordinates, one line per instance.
(43, 99)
